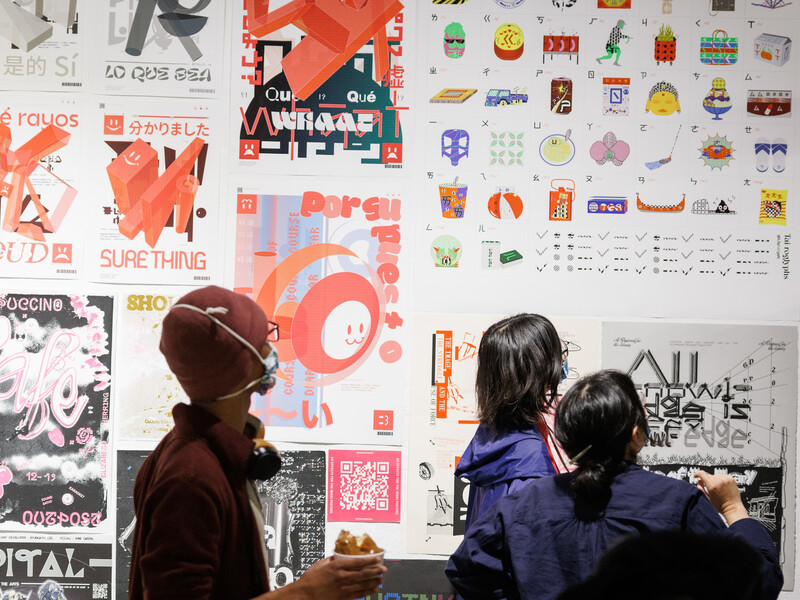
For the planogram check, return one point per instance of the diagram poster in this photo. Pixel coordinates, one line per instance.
(443, 416)
(55, 386)
(42, 45)
(364, 485)
(293, 503)
(55, 569)
(327, 263)
(722, 398)
(331, 90)
(42, 186)
(154, 216)
(146, 390)
(161, 48)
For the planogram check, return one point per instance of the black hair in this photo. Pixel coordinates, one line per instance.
(594, 423)
(519, 369)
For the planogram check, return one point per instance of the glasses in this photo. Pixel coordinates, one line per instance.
(564, 350)
(273, 333)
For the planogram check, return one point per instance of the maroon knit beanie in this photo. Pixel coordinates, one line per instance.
(206, 359)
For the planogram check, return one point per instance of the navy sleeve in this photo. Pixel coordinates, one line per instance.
(753, 532)
(478, 568)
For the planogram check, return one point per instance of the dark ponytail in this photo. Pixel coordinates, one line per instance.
(594, 423)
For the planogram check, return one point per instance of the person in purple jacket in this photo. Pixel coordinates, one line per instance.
(521, 361)
(550, 535)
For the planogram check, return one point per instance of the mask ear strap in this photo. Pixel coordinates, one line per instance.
(209, 312)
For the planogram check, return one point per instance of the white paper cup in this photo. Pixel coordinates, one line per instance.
(348, 557)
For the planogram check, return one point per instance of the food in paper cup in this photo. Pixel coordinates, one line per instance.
(350, 546)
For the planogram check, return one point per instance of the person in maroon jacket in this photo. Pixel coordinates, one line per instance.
(199, 527)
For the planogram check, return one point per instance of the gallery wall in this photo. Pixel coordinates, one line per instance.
(386, 180)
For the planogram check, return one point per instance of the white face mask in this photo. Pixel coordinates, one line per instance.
(270, 362)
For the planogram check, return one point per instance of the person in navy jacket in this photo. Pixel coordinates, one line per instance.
(535, 543)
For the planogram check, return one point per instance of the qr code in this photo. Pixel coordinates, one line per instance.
(364, 485)
(100, 590)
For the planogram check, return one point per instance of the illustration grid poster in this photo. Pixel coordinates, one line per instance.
(161, 48)
(146, 388)
(722, 398)
(327, 263)
(323, 93)
(155, 215)
(55, 410)
(569, 147)
(42, 186)
(443, 416)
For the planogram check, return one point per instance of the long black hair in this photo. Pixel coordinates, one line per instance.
(594, 423)
(519, 369)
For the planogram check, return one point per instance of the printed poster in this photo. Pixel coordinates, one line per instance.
(568, 147)
(162, 48)
(443, 416)
(42, 45)
(293, 502)
(319, 95)
(407, 578)
(55, 386)
(42, 186)
(146, 389)
(364, 485)
(327, 263)
(724, 398)
(155, 216)
(128, 464)
(56, 569)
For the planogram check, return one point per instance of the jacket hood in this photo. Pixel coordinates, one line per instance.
(496, 456)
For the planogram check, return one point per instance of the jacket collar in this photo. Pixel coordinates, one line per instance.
(230, 446)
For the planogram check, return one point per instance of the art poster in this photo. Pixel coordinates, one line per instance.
(128, 464)
(293, 503)
(155, 215)
(55, 408)
(42, 186)
(55, 569)
(327, 263)
(443, 417)
(364, 486)
(146, 389)
(161, 48)
(325, 90)
(721, 397)
(409, 578)
(568, 146)
(42, 45)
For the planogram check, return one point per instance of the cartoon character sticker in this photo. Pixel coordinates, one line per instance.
(446, 252)
(455, 40)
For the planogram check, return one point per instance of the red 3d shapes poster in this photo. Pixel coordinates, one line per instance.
(156, 220)
(337, 95)
(364, 485)
(327, 265)
(55, 386)
(40, 181)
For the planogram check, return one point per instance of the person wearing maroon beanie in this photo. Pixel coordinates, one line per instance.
(199, 530)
